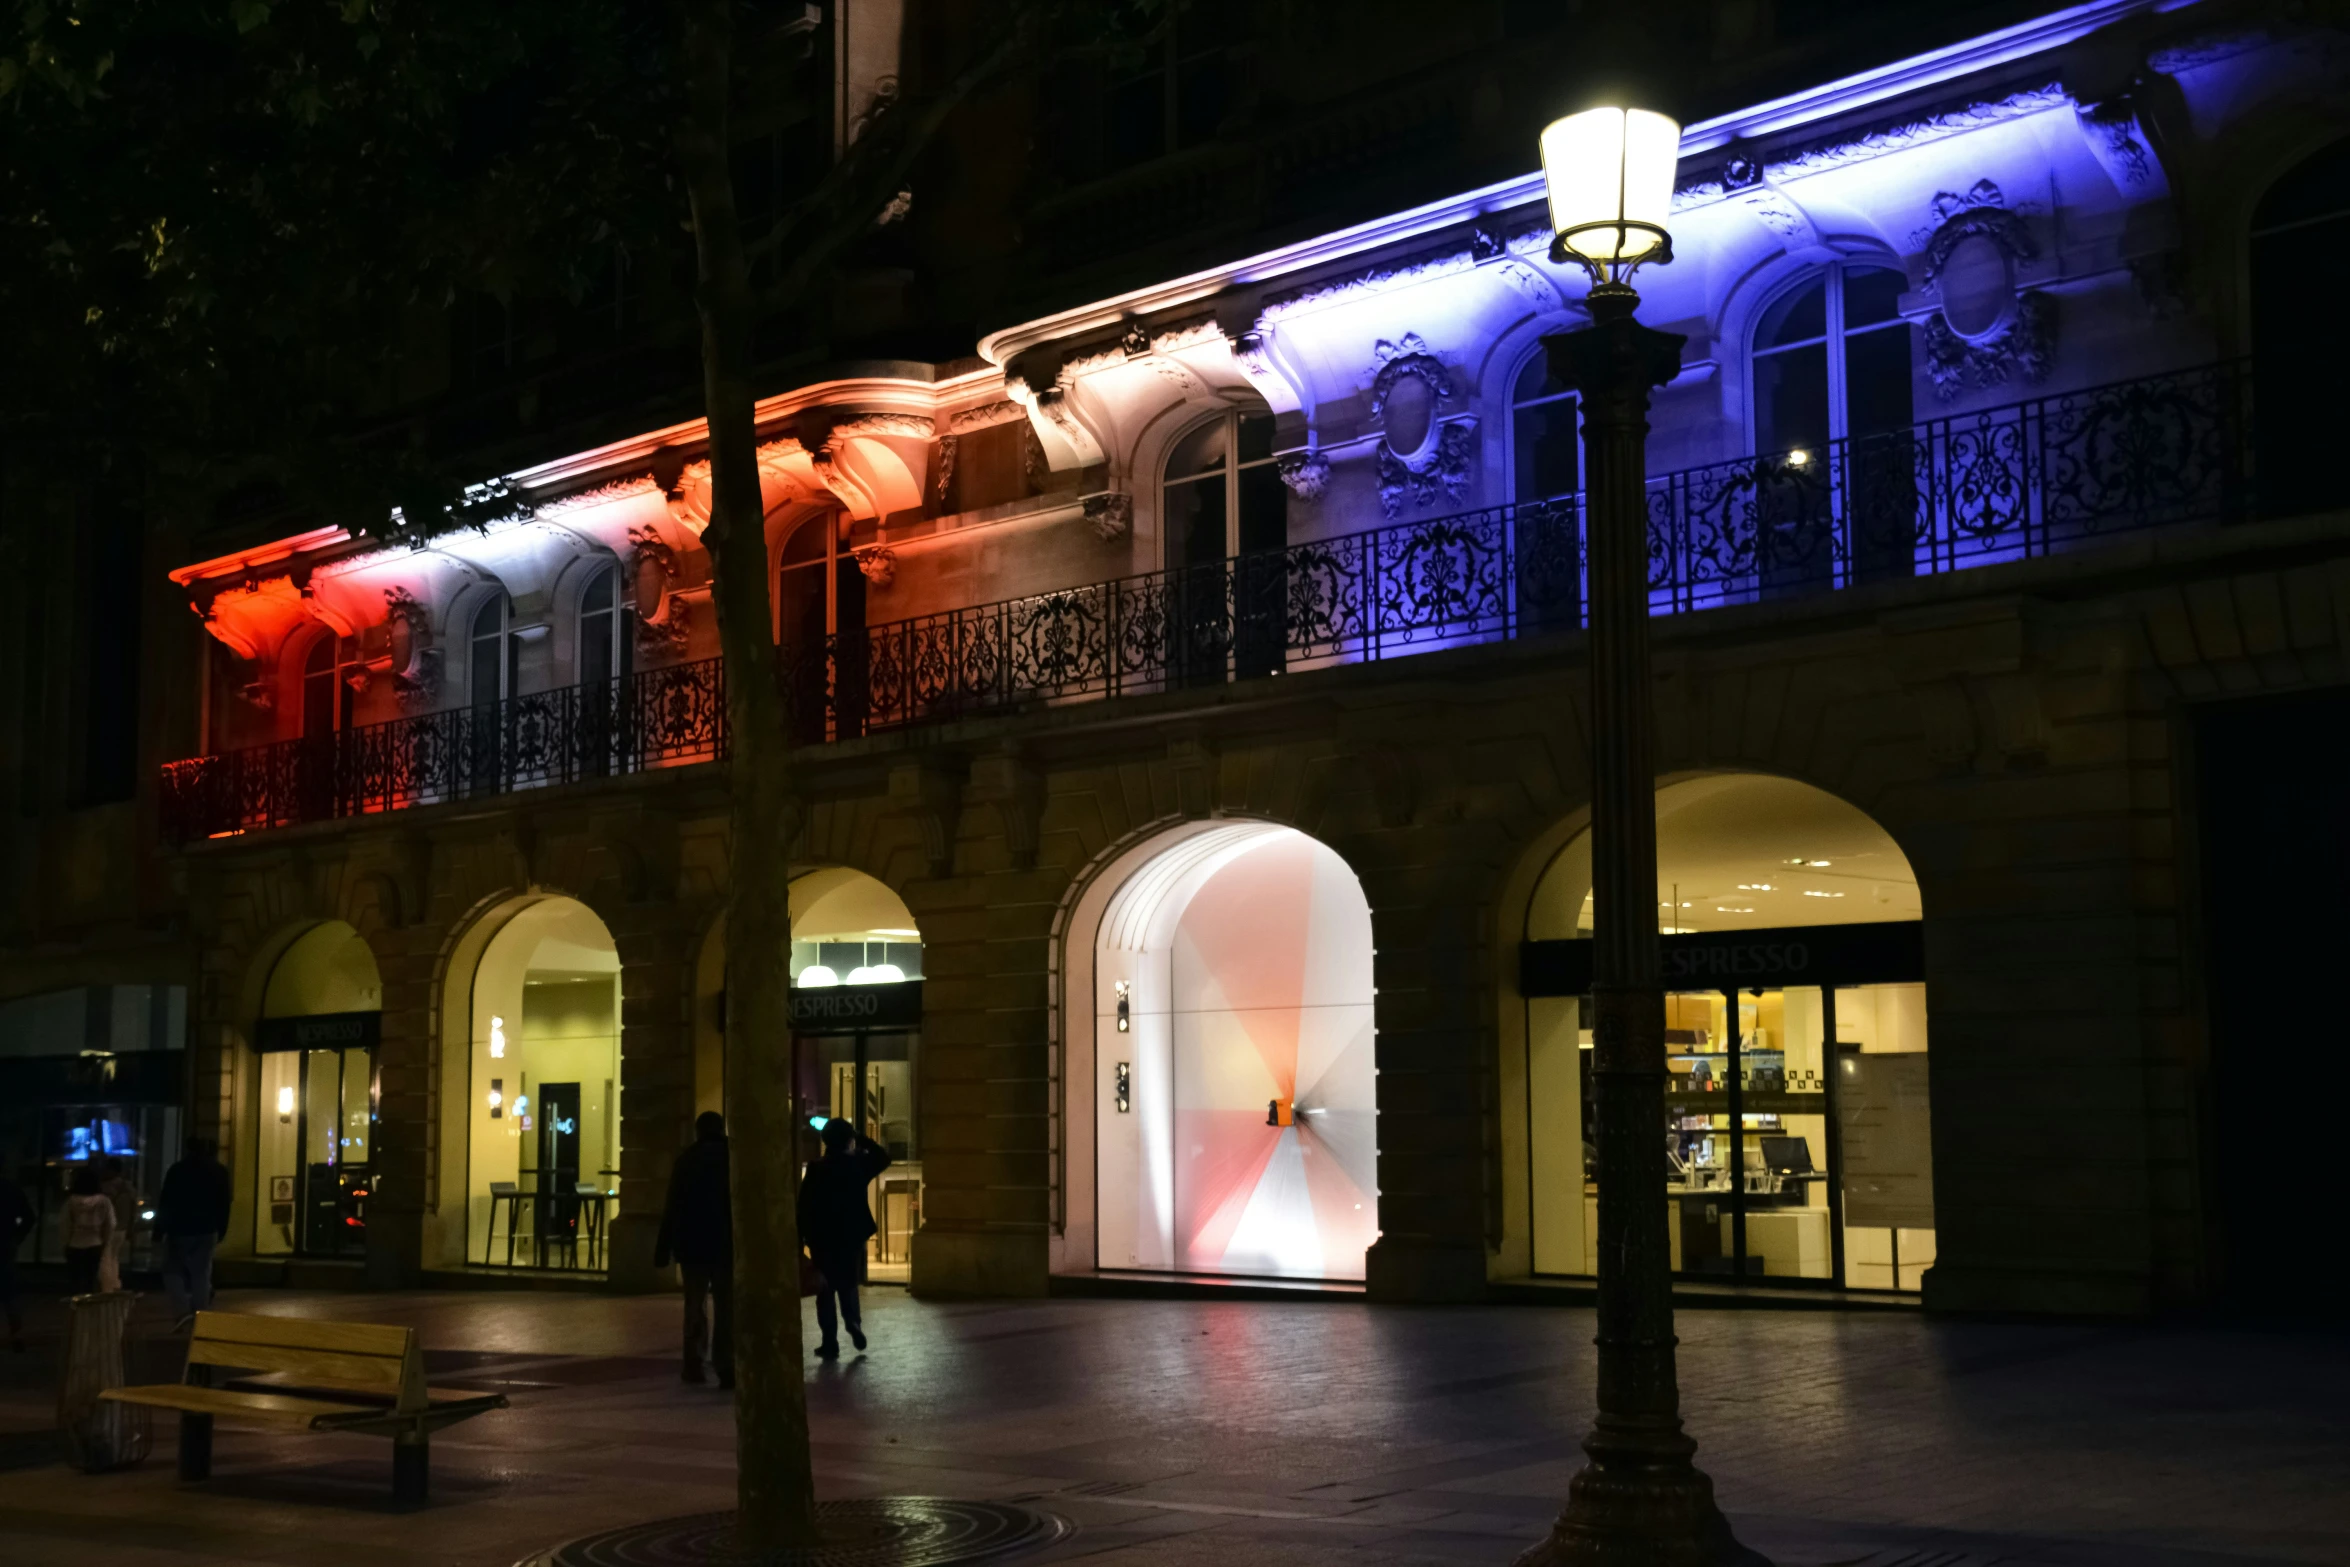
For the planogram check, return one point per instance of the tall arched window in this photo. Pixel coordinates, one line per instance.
(326, 693)
(820, 594)
(1222, 496)
(603, 641)
(1832, 378)
(492, 667)
(1832, 360)
(1545, 464)
(2299, 334)
(1545, 453)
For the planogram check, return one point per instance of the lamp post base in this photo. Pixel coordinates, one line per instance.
(1641, 1515)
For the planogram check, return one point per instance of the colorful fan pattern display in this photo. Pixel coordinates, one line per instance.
(1275, 1132)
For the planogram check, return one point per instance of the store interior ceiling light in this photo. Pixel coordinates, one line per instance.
(896, 935)
(816, 977)
(1811, 893)
(1756, 886)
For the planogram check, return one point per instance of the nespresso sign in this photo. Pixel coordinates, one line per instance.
(857, 1009)
(320, 1031)
(1720, 959)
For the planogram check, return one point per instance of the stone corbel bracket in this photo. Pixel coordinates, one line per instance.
(1037, 385)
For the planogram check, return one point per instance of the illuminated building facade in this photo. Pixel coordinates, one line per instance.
(1189, 694)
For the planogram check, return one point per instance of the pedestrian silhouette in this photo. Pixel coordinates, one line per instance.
(697, 1230)
(835, 1222)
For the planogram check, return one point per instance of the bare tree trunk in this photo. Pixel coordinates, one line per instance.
(775, 1489)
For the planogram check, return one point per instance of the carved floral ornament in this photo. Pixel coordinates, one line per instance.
(652, 575)
(1110, 514)
(1987, 331)
(878, 563)
(1422, 458)
(415, 663)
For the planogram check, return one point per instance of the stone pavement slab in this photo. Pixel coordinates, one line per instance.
(1315, 1431)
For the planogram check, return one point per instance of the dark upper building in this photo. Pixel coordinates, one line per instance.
(1178, 543)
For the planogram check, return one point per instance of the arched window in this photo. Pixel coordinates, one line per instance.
(326, 693)
(603, 641)
(1222, 496)
(1831, 360)
(2299, 336)
(1546, 463)
(1545, 454)
(492, 667)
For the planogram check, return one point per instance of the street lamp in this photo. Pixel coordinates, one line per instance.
(1641, 1498)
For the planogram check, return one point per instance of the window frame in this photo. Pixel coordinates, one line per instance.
(1516, 407)
(1231, 419)
(1833, 337)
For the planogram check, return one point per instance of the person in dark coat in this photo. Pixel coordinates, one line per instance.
(697, 1231)
(835, 1222)
(191, 1214)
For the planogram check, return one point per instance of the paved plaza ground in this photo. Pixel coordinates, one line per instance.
(1179, 1431)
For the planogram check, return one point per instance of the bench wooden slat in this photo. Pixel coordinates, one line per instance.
(350, 1338)
(371, 1372)
(267, 1409)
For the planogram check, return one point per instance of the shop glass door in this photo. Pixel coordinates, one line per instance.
(316, 1143)
(869, 1081)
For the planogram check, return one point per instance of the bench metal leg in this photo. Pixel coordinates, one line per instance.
(411, 1468)
(195, 1447)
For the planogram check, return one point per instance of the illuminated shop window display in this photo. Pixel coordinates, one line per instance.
(849, 929)
(1787, 1157)
(1235, 1055)
(544, 1108)
(317, 1097)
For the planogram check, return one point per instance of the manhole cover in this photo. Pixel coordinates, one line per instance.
(889, 1531)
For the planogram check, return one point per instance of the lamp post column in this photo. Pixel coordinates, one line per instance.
(1641, 1500)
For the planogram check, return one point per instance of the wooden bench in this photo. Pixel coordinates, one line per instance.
(337, 1376)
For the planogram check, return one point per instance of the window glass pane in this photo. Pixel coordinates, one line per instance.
(595, 646)
(1872, 296)
(1256, 437)
(1202, 451)
(807, 541)
(599, 593)
(490, 619)
(318, 699)
(1195, 522)
(1884, 1130)
(1798, 317)
(1877, 381)
(1544, 445)
(358, 1080)
(488, 670)
(1791, 398)
(1264, 509)
(1536, 380)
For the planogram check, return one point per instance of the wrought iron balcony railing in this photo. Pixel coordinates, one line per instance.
(2002, 484)
(659, 718)
(2031, 478)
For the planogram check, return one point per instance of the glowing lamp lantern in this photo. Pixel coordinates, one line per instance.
(285, 1103)
(816, 977)
(877, 974)
(1609, 174)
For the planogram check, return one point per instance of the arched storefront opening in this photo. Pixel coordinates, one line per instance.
(856, 968)
(1232, 1057)
(541, 1103)
(316, 1106)
(1797, 1114)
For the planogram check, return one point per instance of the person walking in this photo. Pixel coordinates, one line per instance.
(89, 1231)
(697, 1231)
(125, 1197)
(17, 1220)
(191, 1215)
(836, 1220)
